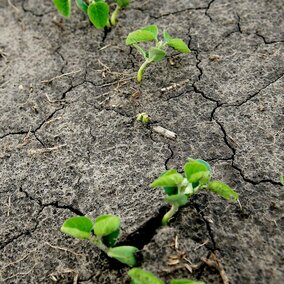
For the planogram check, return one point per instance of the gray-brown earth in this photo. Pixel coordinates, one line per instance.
(71, 145)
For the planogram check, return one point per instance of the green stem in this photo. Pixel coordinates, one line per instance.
(114, 16)
(141, 70)
(97, 241)
(169, 215)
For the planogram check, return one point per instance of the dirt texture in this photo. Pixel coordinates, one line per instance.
(70, 145)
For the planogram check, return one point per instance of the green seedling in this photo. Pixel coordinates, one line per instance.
(98, 11)
(103, 233)
(140, 276)
(157, 52)
(143, 117)
(282, 180)
(197, 177)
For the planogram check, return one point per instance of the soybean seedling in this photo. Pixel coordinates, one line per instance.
(179, 188)
(157, 52)
(103, 233)
(282, 180)
(140, 276)
(143, 117)
(98, 11)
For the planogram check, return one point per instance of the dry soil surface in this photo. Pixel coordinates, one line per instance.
(70, 145)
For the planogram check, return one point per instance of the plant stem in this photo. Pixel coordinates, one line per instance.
(169, 215)
(96, 241)
(114, 16)
(141, 70)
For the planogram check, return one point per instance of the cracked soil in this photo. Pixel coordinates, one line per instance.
(70, 145)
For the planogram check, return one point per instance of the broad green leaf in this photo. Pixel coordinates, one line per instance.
(82, 5)
(223, 190)
(122, 3)
(168, 180)
(125, 254)
(170, 190)
(167, 36)
(63, 7)
(179, 45)
(79, 227)
(110, 240)
(206, 164)
(140, 276)
(139, 36)
(177, 200)
(156, 54)
(185, 281)
(106, 224)
(153, 29)
(98, 14)
(195, 171)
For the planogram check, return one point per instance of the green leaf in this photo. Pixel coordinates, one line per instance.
(153, 29)
(196, 172)
(63, 7)
(185, 281)
(167, 36)
(122, 3)
(139, 36)
(125, 254)
(98, 14)
(178, 44)
(156, 54)
(82, 5)
(140, 276)
(110, 240)
(170, 190)
(79, 227)
(223, 190)
(206, 164)
(170, 179)
(177, 200)
(106, 224)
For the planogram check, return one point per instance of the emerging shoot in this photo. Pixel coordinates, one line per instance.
(98, 11)
(143, 117)
(157, 52)
(179, 188)
(103, 233)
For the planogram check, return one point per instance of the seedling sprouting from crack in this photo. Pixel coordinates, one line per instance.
(155, 53)
(179, 188)
(143, 117)
(103, 233)
(140, 276)
(98, 11)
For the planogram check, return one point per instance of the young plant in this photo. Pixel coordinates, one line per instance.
(98, 11)
(103, 233)
(140, 276)
(157, 52)
(143, 117)
(179, 188)
(282, 180)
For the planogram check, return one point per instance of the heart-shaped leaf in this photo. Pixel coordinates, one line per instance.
(63, 7)
(169, 179)
(98, 13)
(106, 224)
(79, 227)
(125, 254)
